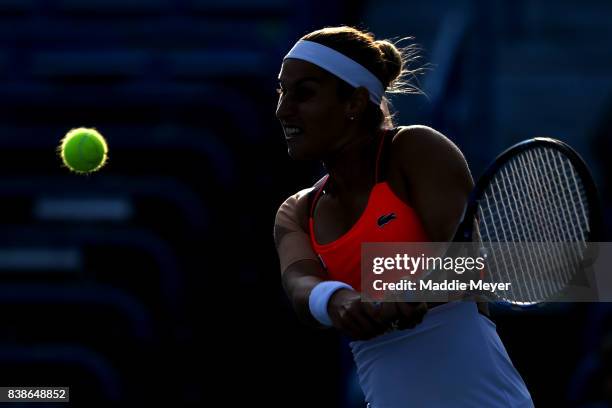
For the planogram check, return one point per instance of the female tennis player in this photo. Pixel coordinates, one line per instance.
(383, 184)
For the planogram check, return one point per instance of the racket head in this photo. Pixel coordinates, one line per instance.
(562, 154)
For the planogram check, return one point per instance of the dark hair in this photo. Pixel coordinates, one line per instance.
(388, 62)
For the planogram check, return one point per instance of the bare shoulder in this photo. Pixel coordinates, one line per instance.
(292, 215)
(424, 139)
(436, 175)
(296, 205)
(418, 148)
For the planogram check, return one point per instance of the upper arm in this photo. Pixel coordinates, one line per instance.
(300, 267)
(437, 177)
(291, 231)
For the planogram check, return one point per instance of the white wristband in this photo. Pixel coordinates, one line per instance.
(319, 297)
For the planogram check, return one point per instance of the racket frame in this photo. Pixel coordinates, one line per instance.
(465, 229)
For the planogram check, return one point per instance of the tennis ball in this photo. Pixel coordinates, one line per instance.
(83, 150)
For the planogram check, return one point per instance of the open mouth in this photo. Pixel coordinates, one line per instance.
(292, 131)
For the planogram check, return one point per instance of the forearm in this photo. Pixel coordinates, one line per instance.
(298, 281)
(299, 296)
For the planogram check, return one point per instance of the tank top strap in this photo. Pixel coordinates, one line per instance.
(383, 156)
(314, 194)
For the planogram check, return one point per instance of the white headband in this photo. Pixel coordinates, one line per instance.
(338, 64)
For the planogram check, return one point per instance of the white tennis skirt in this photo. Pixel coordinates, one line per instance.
(454, 358)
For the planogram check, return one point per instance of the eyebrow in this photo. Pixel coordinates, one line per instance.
(301, 80)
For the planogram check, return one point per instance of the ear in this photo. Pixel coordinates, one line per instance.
(357, 103)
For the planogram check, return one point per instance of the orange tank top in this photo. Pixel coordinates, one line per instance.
(386, 218)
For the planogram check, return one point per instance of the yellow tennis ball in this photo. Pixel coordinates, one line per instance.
(83, 150)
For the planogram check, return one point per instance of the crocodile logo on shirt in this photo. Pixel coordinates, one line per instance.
(385, 219)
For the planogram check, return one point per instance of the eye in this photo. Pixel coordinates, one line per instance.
(302, 93)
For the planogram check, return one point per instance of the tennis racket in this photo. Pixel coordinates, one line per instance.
(540, 192)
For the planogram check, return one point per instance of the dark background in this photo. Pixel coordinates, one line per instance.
(156, 279)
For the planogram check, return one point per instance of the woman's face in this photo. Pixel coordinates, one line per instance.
(313, 118)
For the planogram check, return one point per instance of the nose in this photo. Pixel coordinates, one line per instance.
(285, 108)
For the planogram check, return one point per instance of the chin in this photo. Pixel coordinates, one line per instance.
(296, 153)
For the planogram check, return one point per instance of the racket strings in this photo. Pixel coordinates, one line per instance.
(536, 197)
(557, 273)
(525, 232)
(567, 224)
(497, 198)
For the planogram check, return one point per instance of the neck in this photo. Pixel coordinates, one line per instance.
(353, 167)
